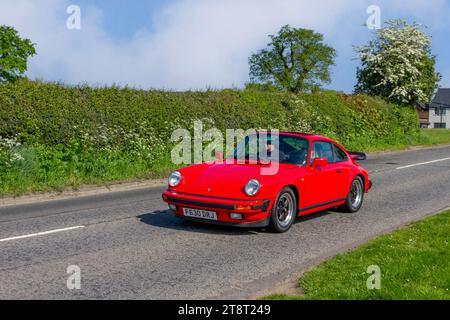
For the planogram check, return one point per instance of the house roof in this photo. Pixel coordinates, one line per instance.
(442, 97)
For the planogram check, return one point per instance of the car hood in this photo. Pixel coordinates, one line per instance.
(227, 180)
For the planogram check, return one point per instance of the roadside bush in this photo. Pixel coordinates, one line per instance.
(56, 136)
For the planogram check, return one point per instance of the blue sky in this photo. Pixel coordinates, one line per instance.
(122, 18)
(199, 44)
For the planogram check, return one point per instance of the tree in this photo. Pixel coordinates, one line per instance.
(14, 53)
(398, 64)
(295, 60)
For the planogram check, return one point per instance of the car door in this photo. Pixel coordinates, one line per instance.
(320, 183)
(342, 170)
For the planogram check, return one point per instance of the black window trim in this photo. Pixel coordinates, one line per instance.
(440, 125)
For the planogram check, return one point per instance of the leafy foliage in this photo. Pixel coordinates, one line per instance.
(398, 64)
(295, 60)
(14, 53)
(56, 136)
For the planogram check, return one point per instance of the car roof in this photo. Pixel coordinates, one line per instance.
(309, 136)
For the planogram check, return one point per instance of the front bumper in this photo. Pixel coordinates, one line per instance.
(254, 212)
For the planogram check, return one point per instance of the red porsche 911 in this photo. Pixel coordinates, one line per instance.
(312, 173)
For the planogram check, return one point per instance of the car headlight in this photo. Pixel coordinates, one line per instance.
(252, 187)
(174, 179)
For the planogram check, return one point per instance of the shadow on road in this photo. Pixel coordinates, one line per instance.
(165, 219)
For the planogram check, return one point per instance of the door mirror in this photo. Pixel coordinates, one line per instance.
(320, 162)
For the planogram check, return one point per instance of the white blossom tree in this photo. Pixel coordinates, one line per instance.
(398, 64)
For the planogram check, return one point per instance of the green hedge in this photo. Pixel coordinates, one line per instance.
(54, 135)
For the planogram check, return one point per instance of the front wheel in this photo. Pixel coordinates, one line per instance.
(355, 196)
(284, 211)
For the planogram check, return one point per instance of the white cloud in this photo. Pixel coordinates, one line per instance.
(193, 43)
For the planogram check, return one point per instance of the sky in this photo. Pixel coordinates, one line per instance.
(199, 44)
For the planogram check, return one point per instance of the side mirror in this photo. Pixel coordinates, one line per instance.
(320, 162)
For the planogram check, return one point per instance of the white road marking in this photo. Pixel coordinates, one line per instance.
(41, 233)
(422, 163)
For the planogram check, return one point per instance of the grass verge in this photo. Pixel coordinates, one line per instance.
(426, 138)
(434, 136)
(414, 264)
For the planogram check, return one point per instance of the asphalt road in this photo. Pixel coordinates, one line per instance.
(128, 246)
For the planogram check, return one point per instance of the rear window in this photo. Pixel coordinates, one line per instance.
(339, 154)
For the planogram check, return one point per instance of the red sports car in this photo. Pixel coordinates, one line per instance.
(313, 173)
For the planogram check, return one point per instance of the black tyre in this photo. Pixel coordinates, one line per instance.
(355, 197)
(284, 211)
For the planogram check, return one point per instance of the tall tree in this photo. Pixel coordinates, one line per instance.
(295, 60)
(398, 64)
(14, 54)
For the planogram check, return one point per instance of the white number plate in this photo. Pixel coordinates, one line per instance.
(200, 214)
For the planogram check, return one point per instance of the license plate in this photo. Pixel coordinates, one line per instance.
(200, 214)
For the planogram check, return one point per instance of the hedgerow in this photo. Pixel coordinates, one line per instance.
(53, 136)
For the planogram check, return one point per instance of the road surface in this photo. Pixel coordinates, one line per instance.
(128, 246)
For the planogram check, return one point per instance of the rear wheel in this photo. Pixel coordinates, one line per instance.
(355, 196)
(284, 211)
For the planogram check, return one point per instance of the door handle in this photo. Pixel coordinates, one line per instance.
(339, 171)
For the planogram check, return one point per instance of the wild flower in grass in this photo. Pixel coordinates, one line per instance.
(9, 151)
(9, 143)
(303, 125)
(142, 141)
(16, 157)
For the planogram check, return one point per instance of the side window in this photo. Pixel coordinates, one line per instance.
(322, 150)
(339, 154)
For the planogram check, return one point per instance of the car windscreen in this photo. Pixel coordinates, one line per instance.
(279, 148)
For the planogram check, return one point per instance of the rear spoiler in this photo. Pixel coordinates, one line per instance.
(361, 156)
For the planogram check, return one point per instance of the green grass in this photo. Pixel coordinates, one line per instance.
(434, 136)
(46, 168)
(426, 137)
(414, 264)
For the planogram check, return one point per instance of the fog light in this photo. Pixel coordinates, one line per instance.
(173, 207)
(236, 216)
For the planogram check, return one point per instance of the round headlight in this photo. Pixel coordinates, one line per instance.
(174, 179)
(252, 187)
